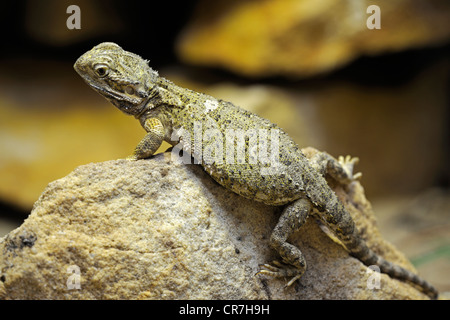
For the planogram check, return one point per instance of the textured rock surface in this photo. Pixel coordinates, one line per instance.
(302, 37)
(153, 229)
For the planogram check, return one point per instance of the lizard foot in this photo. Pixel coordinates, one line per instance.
(348, 163)
(278, 269)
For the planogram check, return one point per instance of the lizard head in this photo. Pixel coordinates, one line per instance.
(122, 77)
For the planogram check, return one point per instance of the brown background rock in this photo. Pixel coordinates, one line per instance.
(301, 37)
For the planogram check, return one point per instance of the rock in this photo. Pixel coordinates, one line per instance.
(154, 229)
(301, 37)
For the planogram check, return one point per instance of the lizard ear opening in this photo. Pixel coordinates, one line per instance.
(129, 90)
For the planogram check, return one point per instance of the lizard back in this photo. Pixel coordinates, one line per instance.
(240, 150)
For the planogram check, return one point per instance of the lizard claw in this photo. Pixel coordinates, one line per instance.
(348, 163)
(277, 269)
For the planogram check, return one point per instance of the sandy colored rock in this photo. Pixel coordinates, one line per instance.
(301, 37)
(153, 229)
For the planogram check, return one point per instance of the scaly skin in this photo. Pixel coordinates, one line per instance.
(227, 141)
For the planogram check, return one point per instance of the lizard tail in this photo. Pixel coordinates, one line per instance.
(361, 251)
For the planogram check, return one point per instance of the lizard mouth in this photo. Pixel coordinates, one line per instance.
(113, 94)
(125, 103)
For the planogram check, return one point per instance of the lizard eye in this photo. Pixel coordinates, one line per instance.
(101, 70)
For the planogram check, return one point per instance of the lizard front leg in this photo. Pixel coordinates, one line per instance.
(152, 140)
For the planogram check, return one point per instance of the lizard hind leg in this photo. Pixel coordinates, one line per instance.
(293, 262)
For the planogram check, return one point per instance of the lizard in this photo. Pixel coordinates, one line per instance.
(285, 178)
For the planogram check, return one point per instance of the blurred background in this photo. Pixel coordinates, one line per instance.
(313, 67)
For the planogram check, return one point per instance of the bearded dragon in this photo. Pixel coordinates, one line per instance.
(243, 152)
